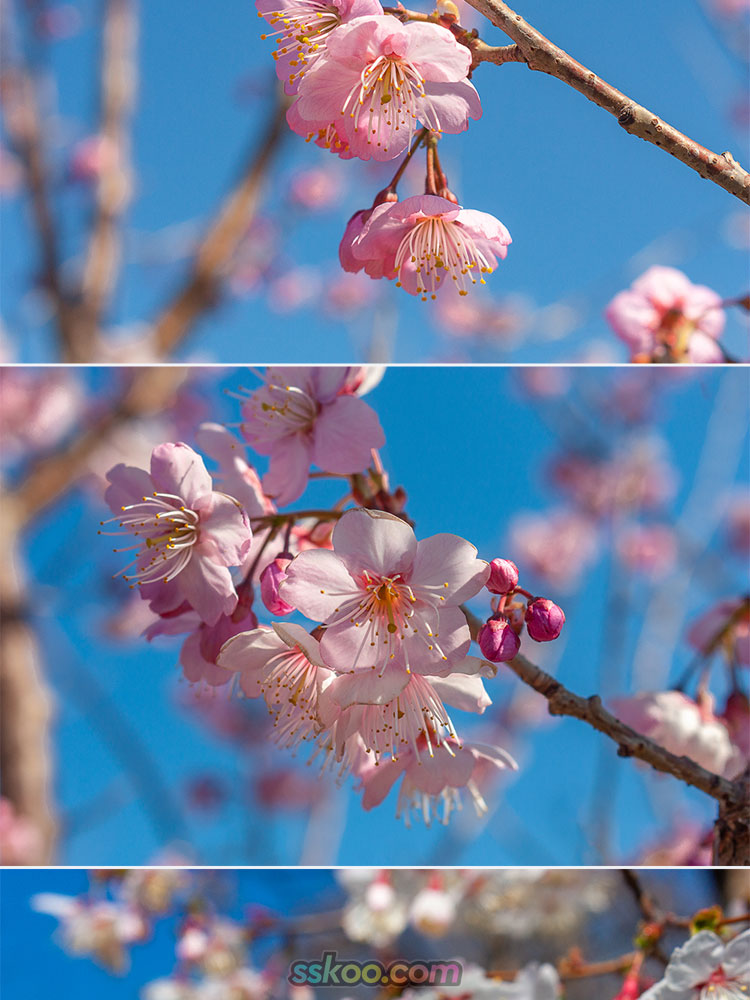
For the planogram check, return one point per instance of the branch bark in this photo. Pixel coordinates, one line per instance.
(114, 185)
(26, 704)
(542, 55)
(220, 243)
(733, 796)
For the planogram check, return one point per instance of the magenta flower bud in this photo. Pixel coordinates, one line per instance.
(270, 580)
(503, 576)
(497, 640)
(544, 619)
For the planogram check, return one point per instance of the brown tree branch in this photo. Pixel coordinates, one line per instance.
(114, 184)
(26, 705)
(540, 54)
(732, 796)
(23, 123)
(218, 246)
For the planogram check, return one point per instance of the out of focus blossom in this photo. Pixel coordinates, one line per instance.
(294, 289)
(376, 913)
(681, 726)
(345, 295)
(663, 317)
(500, 322)
(738, 526)
(557, 547)
(100, 929)
(725, 626)
(684, 844)
(37, 407)
(315, 188)
(433, 911)
(20, 840)
(56, 22)
(650, 549)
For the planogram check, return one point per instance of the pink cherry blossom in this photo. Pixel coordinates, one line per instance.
(431, 784)
(101, 929)
(429, 244)
(303, 29)
(305, 416)
(726, 625)
(379, 78)
(544, 619)
(200, 651)
(498, 640)
(503, 576)
(384, 597)
(37, 407)
(186, 534)
(648, 548)
(391, 717)
(284, 665)
(663, 316)
(681, 726)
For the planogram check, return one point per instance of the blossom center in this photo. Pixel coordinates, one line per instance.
(441, 248)
(719, 987)
(167, 531)
(300, 30)
(387, 98)
(283, 409)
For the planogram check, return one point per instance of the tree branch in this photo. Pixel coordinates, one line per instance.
(114, 185)
(732, 796)
(220, 243)
(540, 54)
(26, 705)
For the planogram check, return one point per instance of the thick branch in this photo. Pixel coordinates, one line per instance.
(114, 185)
(26, 706)
(539, 53)
(220, 243)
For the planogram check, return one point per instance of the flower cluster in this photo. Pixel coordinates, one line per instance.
(368, 646)
(373, 84)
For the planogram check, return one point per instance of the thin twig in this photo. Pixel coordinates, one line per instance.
(562, 701)
(540, 54)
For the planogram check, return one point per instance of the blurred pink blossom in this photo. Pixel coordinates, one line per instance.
(558, 547)
(662, 316)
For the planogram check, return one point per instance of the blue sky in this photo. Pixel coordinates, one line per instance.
(471, 452)
(588, 206)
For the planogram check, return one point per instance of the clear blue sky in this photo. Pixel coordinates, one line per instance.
(588, 206)
(470, 451)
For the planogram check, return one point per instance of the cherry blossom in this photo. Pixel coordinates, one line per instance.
(187, 533)
(200, 651)
(283, 664)
(20, 839)
(680, 725)
(426, 242)
(431, 783)
(433, 910)
(706, 968)
(663, 316)
(101, 929)
(306, 416)
(385, 598)
(379, 78)
(303, 29)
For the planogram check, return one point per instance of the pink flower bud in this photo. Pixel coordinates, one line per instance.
(270, 580)
(503, 576)
(497, 640)
(544, 619)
